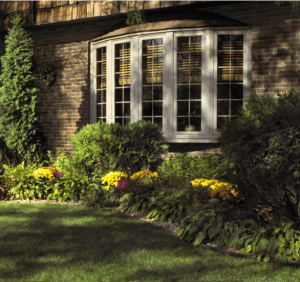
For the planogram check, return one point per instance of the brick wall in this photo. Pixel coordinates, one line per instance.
(66, 109)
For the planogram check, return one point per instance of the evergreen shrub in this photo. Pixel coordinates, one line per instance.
(20, 125)
(262, 145)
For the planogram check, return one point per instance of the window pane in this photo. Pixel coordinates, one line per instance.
(195, 108)
(230, 76)
(126, 109)
(101, 84)
(158, 121)
(195, 124)
(182, 108)
(157, 109)
(195, 92)
(189, 59)
(152, 67)
(223, 107)
(236, 91)
(223, 91)
(157, 93)
(182, 123)
(182, 92)
(235, 106)
(147, 93)
(147, 109)
(118, 110)
(122, 83)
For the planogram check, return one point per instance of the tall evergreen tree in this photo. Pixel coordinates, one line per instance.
(20, 125)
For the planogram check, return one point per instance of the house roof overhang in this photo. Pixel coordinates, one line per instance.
(174, 19)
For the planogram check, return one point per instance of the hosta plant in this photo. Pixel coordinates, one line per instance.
(275, 240)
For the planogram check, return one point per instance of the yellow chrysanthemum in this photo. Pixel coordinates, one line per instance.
(220, 189)
(142, 174)
(113, 178)
(44, 172)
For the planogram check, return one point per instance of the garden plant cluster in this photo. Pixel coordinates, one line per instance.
(218, 199)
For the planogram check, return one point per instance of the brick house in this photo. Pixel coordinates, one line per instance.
(191, 65)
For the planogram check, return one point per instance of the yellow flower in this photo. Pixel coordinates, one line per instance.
(45, 172)
(113, 178)
(142, 174)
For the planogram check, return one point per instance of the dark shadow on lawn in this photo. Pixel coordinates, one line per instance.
(89, 241)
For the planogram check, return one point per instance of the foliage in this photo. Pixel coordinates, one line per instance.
(143, 143)
(182, 168)
(74, 180)
(295, 4)
(97, 147)
(271, 241)
(134, 15)
(21, 183)
(19, 115)
(264, 152)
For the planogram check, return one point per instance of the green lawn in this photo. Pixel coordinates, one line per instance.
(53, 242)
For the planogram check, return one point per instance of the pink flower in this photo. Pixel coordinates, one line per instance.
(57, 173)
(208, 191)
(122, 184)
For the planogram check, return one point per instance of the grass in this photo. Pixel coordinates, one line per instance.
(53, 242)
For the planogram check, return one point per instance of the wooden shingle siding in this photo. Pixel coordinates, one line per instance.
(45, 12)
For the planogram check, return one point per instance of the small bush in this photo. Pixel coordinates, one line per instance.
(182, 168)
(97, 147)
(144, 142)
(264, 152)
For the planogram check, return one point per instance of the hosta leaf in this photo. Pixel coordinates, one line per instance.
(292, 245)
(219, 219)
(280, 249)
(249, 248)
(264, 243)
(200, 220)
(281, 241)
(212, 231)
(266, 258)
(193, 230)
(289, 235)
(199, 238)
(260, 254)
(277, 255)
(242, 229)
(287, 226)
(283, 258)
(296, 254)
(171, 218)
(230, 226)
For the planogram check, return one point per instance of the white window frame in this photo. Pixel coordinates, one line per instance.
(208, 133)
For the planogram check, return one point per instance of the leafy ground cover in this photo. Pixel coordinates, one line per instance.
(52, 242)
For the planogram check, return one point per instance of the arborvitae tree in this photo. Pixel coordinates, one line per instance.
(19, 115)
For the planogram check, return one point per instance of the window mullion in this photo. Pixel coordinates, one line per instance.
(168, 89)
(135, 78)
(109, 83)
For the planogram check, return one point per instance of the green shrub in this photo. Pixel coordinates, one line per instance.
(181, 168)
(103, 147)
(20, 125)
(74, 180)
(143, 143)
(97, 147)
(264, 154)
(21, 184)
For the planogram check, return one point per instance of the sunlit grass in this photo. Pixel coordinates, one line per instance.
(52, 242)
